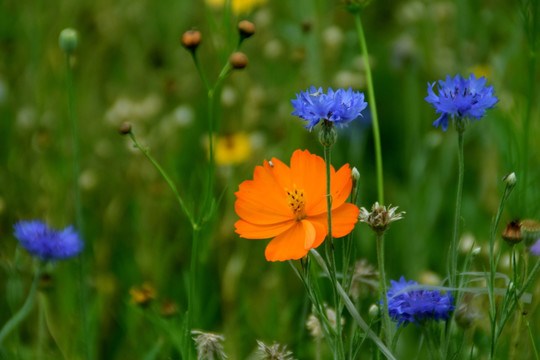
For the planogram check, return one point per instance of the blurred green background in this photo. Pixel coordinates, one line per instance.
(130, 66)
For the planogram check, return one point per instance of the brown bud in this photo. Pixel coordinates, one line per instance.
(125, 128)
(191, 39)
(246, 28)
(168, 308)
(238, 60)
(512, 233)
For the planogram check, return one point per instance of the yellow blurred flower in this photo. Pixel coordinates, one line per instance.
(232, 149)
(480, 70)
(142, 295)
(237, 6)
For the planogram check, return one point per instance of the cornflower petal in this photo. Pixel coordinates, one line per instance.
(47, 243)
(339, 107)
(460, 98)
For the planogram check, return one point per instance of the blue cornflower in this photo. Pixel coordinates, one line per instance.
(339, 107)
(416, 306)
(460, 98)
(46, 243)
(535, 249)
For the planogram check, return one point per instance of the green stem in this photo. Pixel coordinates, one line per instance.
(166, 178)
(532, 32)
(493, 263)
(504, 317)
(387, 327)
(81, 263)
(457, 218)
(373, 108)
(330, 254)
(24, 311)
(200, 70)
(352, 310)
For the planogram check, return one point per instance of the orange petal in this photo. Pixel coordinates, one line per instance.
(343, 219)
(308, 174)
(288, 245)
(321, 232)
(262, 200)
(341, 185)
(254, 231)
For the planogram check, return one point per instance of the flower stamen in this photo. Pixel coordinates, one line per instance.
(295, 200)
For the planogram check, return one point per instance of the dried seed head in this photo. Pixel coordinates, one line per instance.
(530, 229)
(246, 29)
(238, 60)
(512, 233)
(466, 313)
(209, 345)
(191, 39)
(379, 219)
(314, 325)
(364, 279)
(274, 352)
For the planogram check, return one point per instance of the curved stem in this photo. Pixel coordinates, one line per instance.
(24, 311)
(373, 108)
(352, 310)
(166, 178)
(454, 243)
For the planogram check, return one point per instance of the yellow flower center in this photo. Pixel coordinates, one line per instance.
(295, 199)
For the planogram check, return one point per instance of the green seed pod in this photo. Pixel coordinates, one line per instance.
(68, 40)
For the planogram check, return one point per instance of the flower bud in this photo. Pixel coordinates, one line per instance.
(510, 179)
(238, 60)
(373, 312)
(530, 229)
(327, 133)
(246, 29)
(512, 233)
(191, 39)
(125, 128)
(68, 40)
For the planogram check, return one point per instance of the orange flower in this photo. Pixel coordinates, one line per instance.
(289, 204)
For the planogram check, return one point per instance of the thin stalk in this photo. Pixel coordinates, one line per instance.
(192, 298)
(41, 329)
(330, 254)
(24, 311)
(532, 31)
(459, 196)
(493, 263)
(373, 108)
(386, 328)
(79, 220)
(504, 317)
(166, 178)
(533, 343)
(202, 75)
(352, 310)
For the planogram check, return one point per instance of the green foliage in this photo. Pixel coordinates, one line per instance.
(129, 65)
